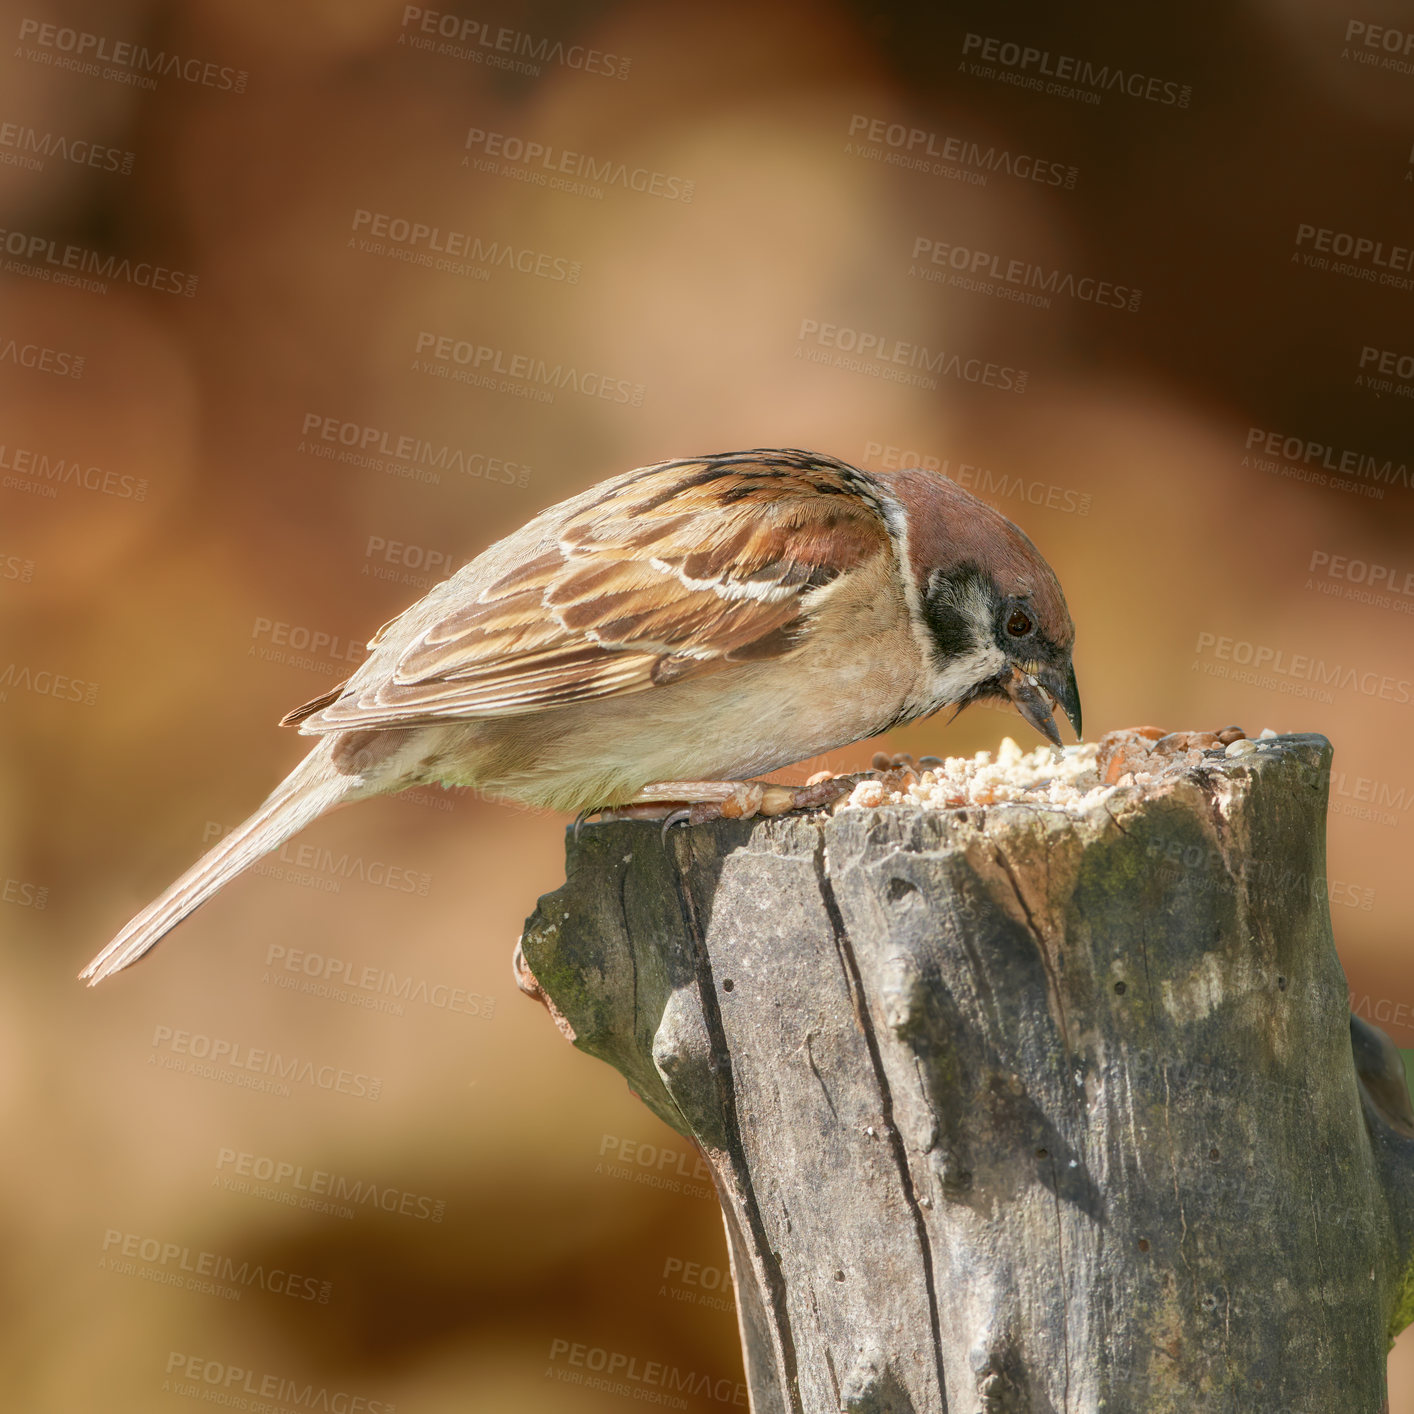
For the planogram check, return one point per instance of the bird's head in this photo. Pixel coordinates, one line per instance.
(990, 608)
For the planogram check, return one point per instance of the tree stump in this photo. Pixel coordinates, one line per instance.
(1014, 1109)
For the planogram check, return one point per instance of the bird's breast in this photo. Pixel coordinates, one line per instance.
(857, 667)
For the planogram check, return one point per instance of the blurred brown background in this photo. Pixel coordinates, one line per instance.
(253, 405)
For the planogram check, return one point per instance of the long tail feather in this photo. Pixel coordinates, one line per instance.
(309, 791)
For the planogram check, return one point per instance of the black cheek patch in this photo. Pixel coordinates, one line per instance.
(950, 630)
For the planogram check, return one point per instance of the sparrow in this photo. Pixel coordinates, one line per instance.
(664, 637)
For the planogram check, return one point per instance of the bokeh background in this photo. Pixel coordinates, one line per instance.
(279, 289)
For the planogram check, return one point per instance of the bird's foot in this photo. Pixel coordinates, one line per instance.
(696, 802)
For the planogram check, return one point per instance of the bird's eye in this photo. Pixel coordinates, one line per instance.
(1019, 624)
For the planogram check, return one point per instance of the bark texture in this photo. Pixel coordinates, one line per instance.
(1013, 1110)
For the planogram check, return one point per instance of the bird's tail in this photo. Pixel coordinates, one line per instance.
(312, 789)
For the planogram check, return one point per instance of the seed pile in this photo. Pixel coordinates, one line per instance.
(1073, 777)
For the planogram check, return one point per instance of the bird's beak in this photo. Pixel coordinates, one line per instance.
(1028, 693)
(1065, 691)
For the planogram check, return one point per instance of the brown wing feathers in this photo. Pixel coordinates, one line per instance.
(677, 569)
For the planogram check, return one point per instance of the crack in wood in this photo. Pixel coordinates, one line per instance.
(815, 1071)
(632, 951)
(1052, 980)
(850, 965)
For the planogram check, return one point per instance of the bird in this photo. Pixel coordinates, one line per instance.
(663, 638)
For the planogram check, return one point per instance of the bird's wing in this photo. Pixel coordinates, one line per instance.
(675, 570)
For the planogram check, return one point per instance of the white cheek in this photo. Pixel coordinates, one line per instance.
(960, 675)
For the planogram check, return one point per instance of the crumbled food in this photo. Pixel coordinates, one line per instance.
(1129, 754)
(1071, 777)
(867, 794)
(1042, 776)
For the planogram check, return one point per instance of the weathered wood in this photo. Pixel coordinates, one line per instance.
(1013, 1109)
